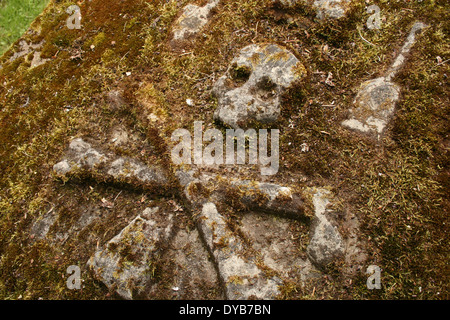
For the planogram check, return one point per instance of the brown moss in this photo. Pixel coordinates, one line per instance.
(413, 161)
(240, 74)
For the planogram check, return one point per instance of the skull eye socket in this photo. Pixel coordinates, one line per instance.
(240, 74)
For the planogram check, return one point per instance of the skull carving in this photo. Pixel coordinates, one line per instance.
(252, 86)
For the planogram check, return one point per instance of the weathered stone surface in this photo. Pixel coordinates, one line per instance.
(253, 83)
(127, 262)
(254, 195)
(401, 58)
(279, 243)
(42, 224)
(194, 271)
(334, 9)
(270, 197)
(130, 168)
(82, 156)
(243, 279)
(185, 177)
(326, 242)
(374, 105)
(193, 19)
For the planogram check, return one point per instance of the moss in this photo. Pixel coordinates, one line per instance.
(240, 74)
(266, 84)
(198, 191)
(398, 188)
(96, 41)
(236, 280)
(153, 102)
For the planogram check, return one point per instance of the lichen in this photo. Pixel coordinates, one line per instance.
(399, 183)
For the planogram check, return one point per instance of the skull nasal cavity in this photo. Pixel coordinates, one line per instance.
(240, 74)
(266, 84)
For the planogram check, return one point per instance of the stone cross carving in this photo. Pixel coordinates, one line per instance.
(123, 263)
